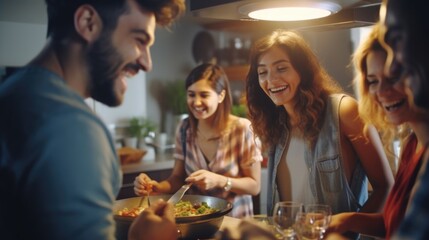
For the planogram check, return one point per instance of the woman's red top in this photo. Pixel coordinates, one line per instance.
(397, 201)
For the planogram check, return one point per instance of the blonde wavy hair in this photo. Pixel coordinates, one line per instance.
(370, 111)
(269, 121)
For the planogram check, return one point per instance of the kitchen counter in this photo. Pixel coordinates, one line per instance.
(162, 161)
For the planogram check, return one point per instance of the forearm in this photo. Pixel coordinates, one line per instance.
(250, 182)
(175, 180)
(170, 185)
(376, 201)
(243, 185)
(368, 224)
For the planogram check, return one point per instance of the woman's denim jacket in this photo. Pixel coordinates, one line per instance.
(328, 182)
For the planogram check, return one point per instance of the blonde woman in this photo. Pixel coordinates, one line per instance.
(385, 104)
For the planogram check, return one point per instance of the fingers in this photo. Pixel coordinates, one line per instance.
(196, 176)
(143, 184)
(138, 187)
(199, 173)
(164, 210)
(155, 222)
(158, 207)
(204, 179)
(139, 192)
(155, 210)
(143, 178)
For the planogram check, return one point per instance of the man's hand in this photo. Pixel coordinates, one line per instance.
(155, 223)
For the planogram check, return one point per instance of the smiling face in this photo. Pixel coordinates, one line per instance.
(202, 99)
(404, 25)
(121, 53)
(388, 93)
(277, 77)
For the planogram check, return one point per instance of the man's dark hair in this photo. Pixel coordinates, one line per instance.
(60, 13)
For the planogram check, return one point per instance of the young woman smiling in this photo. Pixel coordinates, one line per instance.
(319, 149)
(215, 150)
(386, 105)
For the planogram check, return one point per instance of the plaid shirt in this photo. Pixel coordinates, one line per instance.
(237, 149)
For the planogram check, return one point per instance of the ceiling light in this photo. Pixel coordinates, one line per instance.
(289, 10)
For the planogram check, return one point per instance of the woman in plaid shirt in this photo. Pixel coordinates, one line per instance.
(215, 150)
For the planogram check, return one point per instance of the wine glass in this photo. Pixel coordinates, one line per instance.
(313, 222)
(284, 217)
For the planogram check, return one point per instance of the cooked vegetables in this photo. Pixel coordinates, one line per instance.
(186, 209)
(133, 212)
(181, 209)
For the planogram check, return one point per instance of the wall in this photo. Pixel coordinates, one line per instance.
(334, 49)
(19, 42)
(172, 60)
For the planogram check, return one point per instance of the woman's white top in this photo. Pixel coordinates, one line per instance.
(293, 175)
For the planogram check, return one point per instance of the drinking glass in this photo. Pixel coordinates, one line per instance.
(284, 217)
(313, 222)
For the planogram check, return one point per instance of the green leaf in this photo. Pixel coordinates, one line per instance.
(239, 110)
(140, 127)
(175, 92)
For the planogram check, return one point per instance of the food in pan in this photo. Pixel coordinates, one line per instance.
(133, 212)
(186, 209)
(181, 209)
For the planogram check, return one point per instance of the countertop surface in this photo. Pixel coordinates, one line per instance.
(161, 161)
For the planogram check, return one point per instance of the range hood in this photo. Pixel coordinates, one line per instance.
(225, 14)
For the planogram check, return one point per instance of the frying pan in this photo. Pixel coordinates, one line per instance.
(192, 227)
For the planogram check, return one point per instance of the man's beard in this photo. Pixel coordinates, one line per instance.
(104, 63)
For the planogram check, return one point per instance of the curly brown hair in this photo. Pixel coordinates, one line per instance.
(60, 13)
(270, 121)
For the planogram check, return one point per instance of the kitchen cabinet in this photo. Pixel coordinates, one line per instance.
(237, 81)
(236, 72)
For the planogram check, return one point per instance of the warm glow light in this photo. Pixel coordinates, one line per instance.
(289, 10)
(289, 14)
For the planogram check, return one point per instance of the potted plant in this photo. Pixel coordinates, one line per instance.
(175, 93)
(138, 129)
(239, 110)
(171, 96)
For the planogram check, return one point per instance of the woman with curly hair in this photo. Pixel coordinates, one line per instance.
(385, 104)
(319, 151)
(404, 24)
